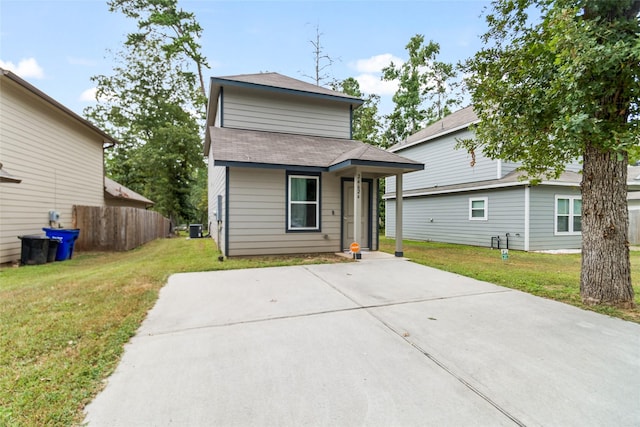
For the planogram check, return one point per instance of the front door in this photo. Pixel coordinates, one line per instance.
(347, 214)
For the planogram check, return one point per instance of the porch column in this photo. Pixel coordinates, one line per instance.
(357, 210)
(399, 252)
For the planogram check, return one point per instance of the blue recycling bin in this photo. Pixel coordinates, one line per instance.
(66, 238)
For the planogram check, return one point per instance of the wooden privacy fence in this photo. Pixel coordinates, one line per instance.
(115, 228)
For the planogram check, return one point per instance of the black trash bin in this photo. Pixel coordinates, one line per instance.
(195, 231)
(35, 249)
(53, 249)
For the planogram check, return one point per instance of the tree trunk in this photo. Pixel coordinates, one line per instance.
(606, 269)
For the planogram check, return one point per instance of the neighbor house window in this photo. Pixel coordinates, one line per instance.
(568, 215)
(303, 203)
(478, 209)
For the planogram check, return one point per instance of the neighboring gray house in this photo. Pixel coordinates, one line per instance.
(284, 174)
(633, 199)
(453, 201)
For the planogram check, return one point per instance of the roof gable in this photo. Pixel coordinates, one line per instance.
(459, 120)
(46, 98)
(269, 82)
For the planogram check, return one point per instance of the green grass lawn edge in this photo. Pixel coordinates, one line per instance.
(63, 326)
(553, 276)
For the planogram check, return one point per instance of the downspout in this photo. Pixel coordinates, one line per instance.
(527, 215)
(226, 212)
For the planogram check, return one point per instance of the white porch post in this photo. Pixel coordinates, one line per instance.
(357, 211)
(399, 251)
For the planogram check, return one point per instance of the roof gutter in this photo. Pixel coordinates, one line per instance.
(227, 82)
(445, 190)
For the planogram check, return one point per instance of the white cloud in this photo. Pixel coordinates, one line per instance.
(370, 77)
(26, 68)
(376, 63)
(370, 83)
(89, 95)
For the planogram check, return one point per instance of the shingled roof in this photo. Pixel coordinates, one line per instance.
(116, 190)
(238, 147)
(451, 123)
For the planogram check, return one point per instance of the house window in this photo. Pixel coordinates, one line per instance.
(478, 209)
(568, 215)
(303, 203)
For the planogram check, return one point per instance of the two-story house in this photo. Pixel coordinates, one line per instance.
(51, 159)
(284, 174)
(475, 200)
(57, 157)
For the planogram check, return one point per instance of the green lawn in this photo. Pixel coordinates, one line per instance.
(63, 325)
(551, 276)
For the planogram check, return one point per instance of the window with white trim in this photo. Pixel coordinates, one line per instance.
(478, 209)
(303, 199)
(568, 215)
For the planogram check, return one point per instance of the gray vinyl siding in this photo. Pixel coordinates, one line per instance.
(444, 165)
(508, 167)
(59, 160)
(451, 224)
(217, 186)
(634, 226)
(257, 215)
(244, 109)
(542, 204)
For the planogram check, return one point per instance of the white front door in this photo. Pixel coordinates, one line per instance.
(347, 214)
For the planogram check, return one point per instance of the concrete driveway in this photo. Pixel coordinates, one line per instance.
(373, 343)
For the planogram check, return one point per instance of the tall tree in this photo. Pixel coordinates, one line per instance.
(322, 61)
(427, 89)
(560, 86)
(152, 103)
(366, 119)
(163, 20)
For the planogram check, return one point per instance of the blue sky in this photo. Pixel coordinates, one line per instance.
(57, 45)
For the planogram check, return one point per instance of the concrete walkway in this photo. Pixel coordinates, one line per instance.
(373, 343)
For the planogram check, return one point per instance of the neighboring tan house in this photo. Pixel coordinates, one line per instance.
(284, 174)
(57, 155)
(486, 204)
(116, 194)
